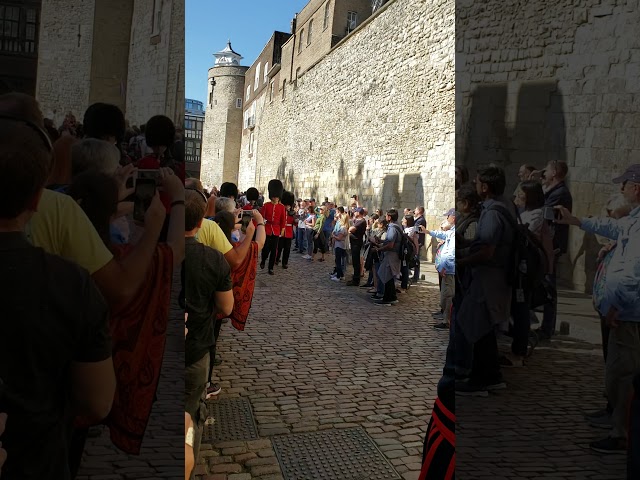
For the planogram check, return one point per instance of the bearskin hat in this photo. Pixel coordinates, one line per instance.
(252, 194)
(229, 190)
(275, 188)
(288, 199)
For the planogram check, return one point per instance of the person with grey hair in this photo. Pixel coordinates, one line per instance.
(92, 154)
(225, 204)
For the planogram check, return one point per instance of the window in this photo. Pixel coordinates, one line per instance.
(300, 40)
(251, 142)
(211, 97)
(325, 23)
(352, 21)
(271, 92)
(310, 31)
(266, 71)
(297, 75)
(248, 93)
(284, 86)
(238, 103)
(156, 18)
(18, 29)
(257, 79)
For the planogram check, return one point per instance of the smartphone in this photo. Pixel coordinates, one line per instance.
(152, 174)
(549, 213)
(247, 216)
(145, 191)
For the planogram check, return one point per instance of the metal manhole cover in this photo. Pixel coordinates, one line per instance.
(338, 454)
(233, 420)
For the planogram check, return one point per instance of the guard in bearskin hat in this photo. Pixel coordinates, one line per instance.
(251, 195)
(284, 245)
(275, 216)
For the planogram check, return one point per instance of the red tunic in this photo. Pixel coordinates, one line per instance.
(288, 228)
(275, 216)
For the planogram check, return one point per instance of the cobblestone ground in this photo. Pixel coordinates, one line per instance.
(162, 455)
(318, 355)
(535, 428)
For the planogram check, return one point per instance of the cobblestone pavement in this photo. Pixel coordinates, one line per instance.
(318, 355)
(162, 455)
(535, 429)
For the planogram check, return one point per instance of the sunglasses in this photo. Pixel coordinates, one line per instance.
(39, 130)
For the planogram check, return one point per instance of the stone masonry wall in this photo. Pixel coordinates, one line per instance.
(552, 81)
(147, 88)
(375, 117)
(223, 127)
(64, 58)
(174, 102)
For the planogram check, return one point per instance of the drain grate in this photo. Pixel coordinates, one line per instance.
(340, 454)
(233, 420)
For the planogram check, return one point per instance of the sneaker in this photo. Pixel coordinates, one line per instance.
(610, 446)
(511, 361)
(603, 422)
(336, 279)
(262, 265)
(498, 385)
(597, 414)
(307, 257)
(375, 296)
(438, 316)
(213, 389)
(467, 389)
(442, 326)
(542, 335)
(270, 272)
(385, 303)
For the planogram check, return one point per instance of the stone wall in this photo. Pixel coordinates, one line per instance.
(558, 81)
(64, 58)
(174, 102)
(375, 117)
(109, 59)
(147, 88)
(223, 127)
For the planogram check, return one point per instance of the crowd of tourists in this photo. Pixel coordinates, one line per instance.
(87, 267)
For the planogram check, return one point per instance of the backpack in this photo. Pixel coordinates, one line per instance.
(528, 260)
(408, 253)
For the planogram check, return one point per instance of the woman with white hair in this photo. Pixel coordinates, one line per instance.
(95, 155)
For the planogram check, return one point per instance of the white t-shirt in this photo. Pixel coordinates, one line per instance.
(301, 217)
(534, 219)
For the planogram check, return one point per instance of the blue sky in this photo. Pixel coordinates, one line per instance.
(249, 25)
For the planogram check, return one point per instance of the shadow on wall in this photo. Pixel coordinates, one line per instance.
(538, 136)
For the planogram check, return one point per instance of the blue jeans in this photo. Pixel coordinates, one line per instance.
(550, 313)
(380, 285)
(310, 233)
(301, 239)
(416, 271)
(341, 254)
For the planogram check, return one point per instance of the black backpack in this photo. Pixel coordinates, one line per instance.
(528, 258)
(408, 253)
